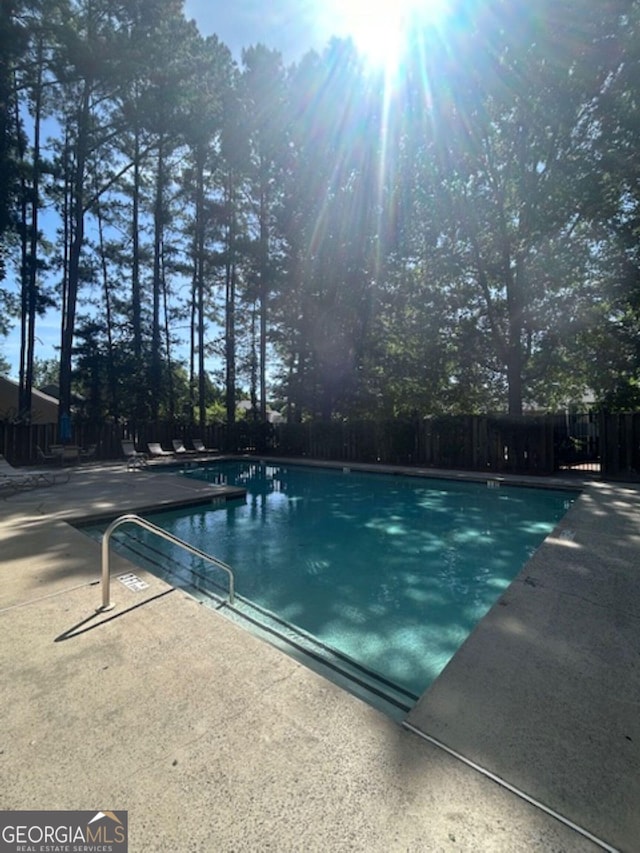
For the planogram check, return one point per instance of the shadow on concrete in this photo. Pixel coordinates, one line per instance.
(83, 626)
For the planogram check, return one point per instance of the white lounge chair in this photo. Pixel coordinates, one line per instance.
(156, 449)
(29, 478)
(135, 459)
(8, 486)
(8, 472)
(178, 446)
(198, 445)
(12, 480)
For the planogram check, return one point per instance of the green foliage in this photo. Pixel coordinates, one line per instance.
(12, 45)
(46, 371)
(8, 310)
(465, 240)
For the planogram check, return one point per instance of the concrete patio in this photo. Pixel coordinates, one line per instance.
(213, 740)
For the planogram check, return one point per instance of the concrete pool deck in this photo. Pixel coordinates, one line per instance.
(213, 740)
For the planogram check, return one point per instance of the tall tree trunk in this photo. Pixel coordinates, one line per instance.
(112, 387)
(515, 353)
(9, 127)
(230, 342)
(77, 240)
(264, 291)
(171, 401)
(193, 334)
(67, 205)
(136, 295)
(23, 406)
(158, 224)
(253, 387)
(199, 235)
(230, 307)
(33, 249)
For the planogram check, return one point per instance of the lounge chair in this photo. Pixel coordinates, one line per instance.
(8, 486)
(11, 480)
(13, 476)
(155, 449)
(11, 485)
(135, 459)
(178, 446)
(198, 445)
(29, 478)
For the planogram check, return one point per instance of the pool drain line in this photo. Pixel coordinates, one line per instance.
(512, 788)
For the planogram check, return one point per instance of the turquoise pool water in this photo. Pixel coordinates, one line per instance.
(391, 571)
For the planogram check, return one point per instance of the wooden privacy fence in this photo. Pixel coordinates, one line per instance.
(620, 446)
(19, 442)
(604, 443)
(479, 443)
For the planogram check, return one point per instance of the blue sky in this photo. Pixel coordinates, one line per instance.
(291, 26)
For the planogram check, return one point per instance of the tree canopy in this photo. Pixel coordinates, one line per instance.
(460, 237)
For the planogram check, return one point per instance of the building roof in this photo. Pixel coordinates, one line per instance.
(44, 409)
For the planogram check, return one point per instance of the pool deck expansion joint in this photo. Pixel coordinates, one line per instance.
(512, 788)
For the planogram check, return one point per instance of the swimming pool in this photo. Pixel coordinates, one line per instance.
(393, 572)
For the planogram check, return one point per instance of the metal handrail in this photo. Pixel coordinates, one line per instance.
(147, 525)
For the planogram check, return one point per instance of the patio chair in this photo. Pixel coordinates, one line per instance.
(56, 451)
(63, 453)
(198, 445)
(89, 453)
(70, 453)
(135, 459)
(156, 449)
(46, 457)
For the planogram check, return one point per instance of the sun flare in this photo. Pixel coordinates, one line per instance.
(381, 29)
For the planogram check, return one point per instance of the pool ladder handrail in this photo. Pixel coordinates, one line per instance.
(107, 604)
